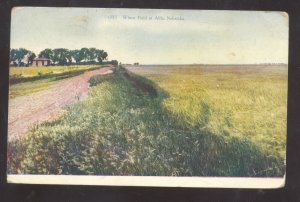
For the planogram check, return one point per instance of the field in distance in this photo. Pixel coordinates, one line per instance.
(35, 71)
(241, 100)
(191, 120)
(26, 80)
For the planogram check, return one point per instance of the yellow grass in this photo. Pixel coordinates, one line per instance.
(28, 87)
(33, 71)
(249, 102)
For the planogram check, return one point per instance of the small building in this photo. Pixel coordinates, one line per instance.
(41, 62)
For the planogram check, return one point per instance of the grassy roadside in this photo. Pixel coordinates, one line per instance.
(122, 129)
(36, 81)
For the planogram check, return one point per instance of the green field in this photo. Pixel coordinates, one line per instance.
(166, 120)
(44, 77)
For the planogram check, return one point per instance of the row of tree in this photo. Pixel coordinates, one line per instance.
(21, 56)
(59, 56)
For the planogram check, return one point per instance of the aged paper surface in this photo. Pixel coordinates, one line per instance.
(148, 97)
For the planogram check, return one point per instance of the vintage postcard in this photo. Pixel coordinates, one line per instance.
(148, 97)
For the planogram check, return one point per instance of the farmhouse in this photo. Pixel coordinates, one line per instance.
(41, 61)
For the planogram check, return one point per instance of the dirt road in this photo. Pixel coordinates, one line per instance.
(25, 111)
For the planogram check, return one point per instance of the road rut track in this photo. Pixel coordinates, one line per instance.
(29, 110)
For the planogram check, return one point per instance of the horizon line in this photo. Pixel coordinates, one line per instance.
(280, 63)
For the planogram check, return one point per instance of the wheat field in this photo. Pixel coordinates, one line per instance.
(248, 101)
(166, 121)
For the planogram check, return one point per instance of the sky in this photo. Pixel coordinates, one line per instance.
(154, 36)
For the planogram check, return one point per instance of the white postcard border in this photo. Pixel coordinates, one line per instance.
(150, 181)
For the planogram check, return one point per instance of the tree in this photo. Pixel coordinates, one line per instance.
(47, 53)
(101, 55)
(69, 56)
(84, 52)
(76, 56)
(60, 56)
(13, 56)
(31, 57)
(114, 62)
(21, 56)
(92, 55)
(104, 55)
